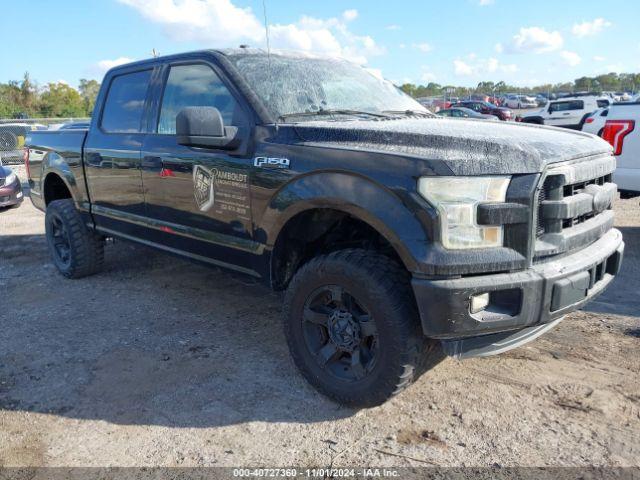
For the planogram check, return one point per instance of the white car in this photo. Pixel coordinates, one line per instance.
(622, 131)
(520, 101)
(594, 123)
(568, 112)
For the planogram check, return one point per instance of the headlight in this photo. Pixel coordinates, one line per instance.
(457, 199)
(12, 177)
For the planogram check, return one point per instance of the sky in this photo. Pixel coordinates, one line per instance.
(454, 42)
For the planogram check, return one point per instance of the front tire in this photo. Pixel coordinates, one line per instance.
(76, 251)
(352, 327)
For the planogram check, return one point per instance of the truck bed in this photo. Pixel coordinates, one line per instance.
(62, 152)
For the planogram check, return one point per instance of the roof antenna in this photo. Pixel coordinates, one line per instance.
(266, 32)
(154, 53)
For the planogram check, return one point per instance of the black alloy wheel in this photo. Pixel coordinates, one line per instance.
(340, 332)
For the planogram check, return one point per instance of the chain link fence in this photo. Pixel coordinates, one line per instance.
(13, 133)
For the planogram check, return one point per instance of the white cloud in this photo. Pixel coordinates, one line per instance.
(423, 47)
(586, 29)
(103, 65)
(393, 26)
(598, 58)
(484, 3)
(570, 58)
(498, 48)
(427, 75)
(482, 67)
(461, 68)
(350, 14)
(206, 21)
(221, 23)
(535, 40)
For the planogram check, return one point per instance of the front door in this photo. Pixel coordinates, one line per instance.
(198, 200)
(112, 154)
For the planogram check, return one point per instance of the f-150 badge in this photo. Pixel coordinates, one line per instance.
(203, 180)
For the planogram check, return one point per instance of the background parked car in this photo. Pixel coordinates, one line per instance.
(463, 112)
(594, 123)
(487, 109)
(622, 131)
(541, 99)
(10, 188)
(520, 101)
(568, 112)
(12, 136)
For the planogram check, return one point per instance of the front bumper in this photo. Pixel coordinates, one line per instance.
(11, 195)
(536, 296)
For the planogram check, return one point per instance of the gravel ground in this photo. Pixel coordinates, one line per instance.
(160, 362)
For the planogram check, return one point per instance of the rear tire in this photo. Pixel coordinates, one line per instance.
(352, 327)
(76, 251)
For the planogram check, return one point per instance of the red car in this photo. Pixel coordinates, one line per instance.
(487, 109)
(10, 188)
(441, 104)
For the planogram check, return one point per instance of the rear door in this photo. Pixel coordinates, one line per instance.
(112, 152)
(198, 199)
(565, 113)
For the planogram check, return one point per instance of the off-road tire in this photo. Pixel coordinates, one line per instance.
(86, 248)
(383, 287)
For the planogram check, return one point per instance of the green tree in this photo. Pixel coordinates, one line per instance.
(88, 91)
(61, 100)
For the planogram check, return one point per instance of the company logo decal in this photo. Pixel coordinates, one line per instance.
(223, 192)
(203, 187)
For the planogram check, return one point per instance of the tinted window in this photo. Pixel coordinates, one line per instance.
(603, 103)
(124, 107)
(195, 86)
(565, 106)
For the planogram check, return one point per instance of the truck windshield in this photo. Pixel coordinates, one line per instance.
(290, 85)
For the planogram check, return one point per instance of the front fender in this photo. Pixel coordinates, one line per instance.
(368, 201)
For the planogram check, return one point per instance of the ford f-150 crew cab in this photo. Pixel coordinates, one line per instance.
(393, 232)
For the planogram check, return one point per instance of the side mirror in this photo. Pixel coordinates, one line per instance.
(204, 127)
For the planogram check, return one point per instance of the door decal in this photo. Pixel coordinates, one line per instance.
(203, 187)
(226, 191)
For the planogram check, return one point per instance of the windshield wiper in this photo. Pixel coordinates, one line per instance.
(409, 113)
(329, 112)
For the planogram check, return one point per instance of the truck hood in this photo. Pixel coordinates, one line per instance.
(466, 146)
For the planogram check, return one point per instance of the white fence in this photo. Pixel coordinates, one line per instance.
(13, 133)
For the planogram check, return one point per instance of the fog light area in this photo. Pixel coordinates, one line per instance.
(479, 302)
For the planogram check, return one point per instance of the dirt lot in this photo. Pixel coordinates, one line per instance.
(157, 361)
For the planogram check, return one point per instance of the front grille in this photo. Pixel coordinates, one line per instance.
(574, 206)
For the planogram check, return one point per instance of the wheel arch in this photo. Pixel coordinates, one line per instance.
(367, 204)
(55, 187)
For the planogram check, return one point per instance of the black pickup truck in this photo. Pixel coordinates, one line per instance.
(397, 235)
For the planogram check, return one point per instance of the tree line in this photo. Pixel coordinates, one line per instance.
(26, 99)
(616, 82)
